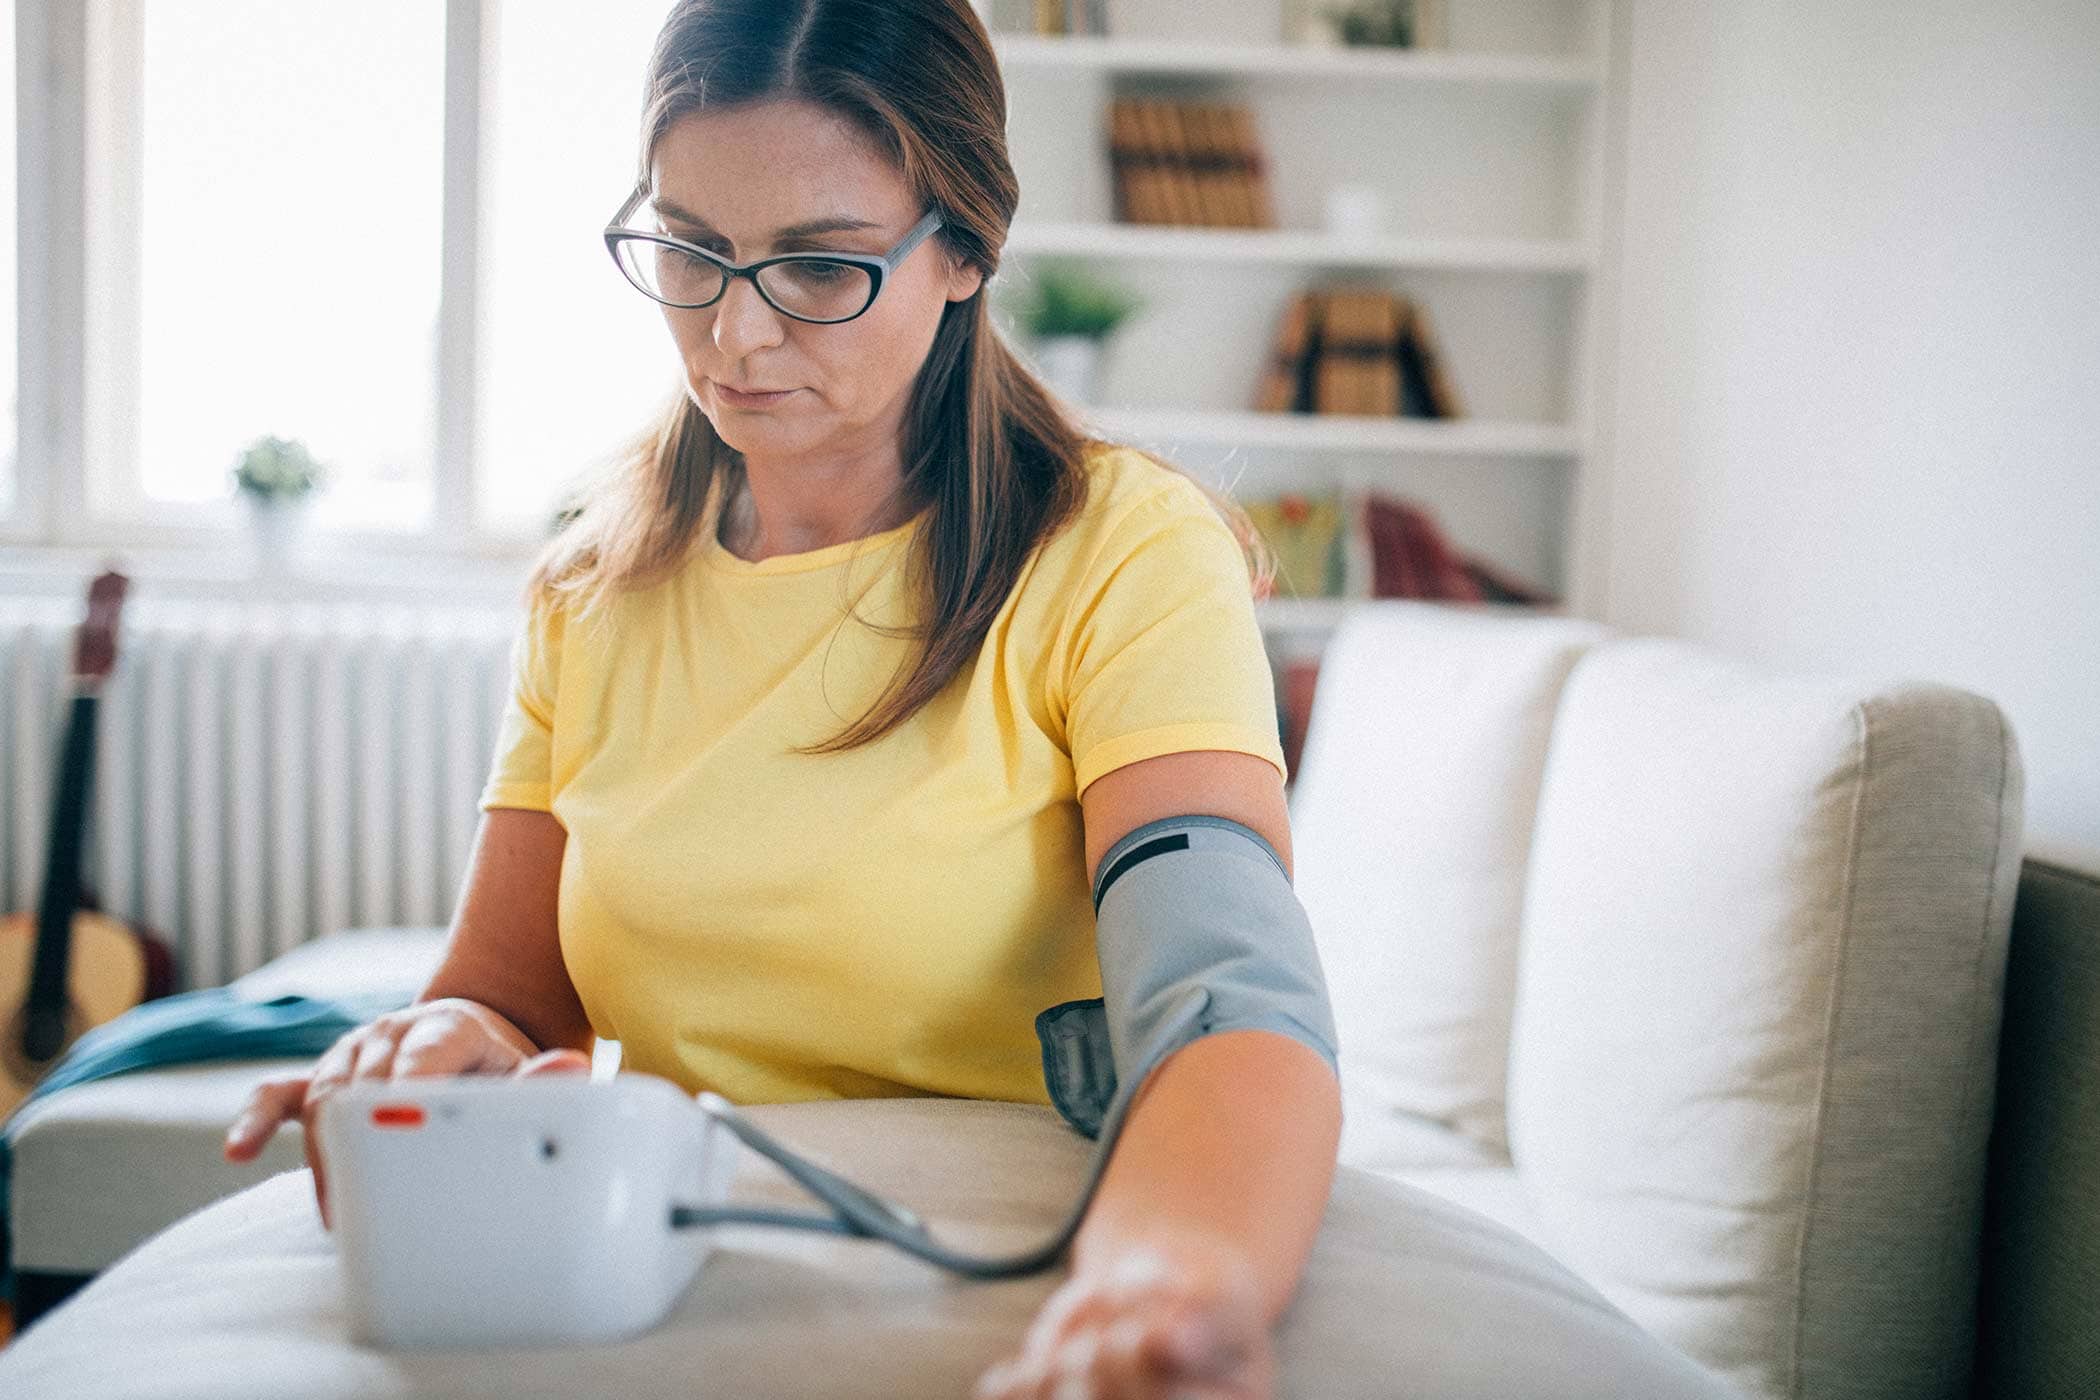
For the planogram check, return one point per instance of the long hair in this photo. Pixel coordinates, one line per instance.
(987, 450)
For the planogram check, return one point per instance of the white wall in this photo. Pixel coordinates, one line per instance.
(1857, 361)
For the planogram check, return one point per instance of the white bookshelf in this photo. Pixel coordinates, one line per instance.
(1487, 158)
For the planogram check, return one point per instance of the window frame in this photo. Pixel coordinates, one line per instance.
(51, 523)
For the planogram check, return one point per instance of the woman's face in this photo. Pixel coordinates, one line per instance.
(747, 173)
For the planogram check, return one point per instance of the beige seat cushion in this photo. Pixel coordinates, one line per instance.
(99, 1166)
(1757, 1012)
(1404, 1293)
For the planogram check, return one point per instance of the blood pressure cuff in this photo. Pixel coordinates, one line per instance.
(1198, 930)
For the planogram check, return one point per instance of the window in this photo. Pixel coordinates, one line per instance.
(268, 188)
(573, 359)
(265, 192)
(10, 331)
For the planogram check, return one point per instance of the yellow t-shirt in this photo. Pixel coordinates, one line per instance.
(887, 920)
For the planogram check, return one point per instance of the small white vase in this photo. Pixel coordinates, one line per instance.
(276, 526)
(1071, 365)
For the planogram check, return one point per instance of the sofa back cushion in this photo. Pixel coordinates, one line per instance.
(1757, 1009)
(1410, 826)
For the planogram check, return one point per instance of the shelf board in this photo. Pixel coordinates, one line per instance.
(1325, 614)
(1337, 432)
(1109, 53)
(1295, 247)
(1302, 614)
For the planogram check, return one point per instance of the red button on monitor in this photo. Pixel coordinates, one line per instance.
(398, 1115)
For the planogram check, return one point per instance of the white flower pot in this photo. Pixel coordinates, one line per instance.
(1071, 366)
(276, 527)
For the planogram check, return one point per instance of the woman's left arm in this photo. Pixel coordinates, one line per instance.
(1203, 1220)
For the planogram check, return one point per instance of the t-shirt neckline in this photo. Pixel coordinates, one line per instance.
(828, 556)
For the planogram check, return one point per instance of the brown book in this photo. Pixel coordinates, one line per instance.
(1185, 171)
(1232, 138)
(1163, 198)
(1213, 137)
(1141, 164)
(1194, 164)
(1356, 371)
(1122, 157)
(1049, 16)
(1127, 140)
(1280, 389)
(1246, 145)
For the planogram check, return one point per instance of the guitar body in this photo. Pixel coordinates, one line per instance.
(67, 968)
(109, 973)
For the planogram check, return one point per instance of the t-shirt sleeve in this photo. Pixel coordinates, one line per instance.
(519, 773)
(1163, 652)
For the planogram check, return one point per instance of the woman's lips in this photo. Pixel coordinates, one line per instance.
(738, 399)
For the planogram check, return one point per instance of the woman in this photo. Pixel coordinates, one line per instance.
(862, 504)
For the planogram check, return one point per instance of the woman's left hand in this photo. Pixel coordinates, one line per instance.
(1168, 1321)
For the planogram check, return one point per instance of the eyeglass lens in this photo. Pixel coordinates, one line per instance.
(817, 289)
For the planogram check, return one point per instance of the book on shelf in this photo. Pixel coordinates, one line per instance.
(1432, 24)
(1365, 543)
(1356, 350)
(1196, 164)
(1282, 388)
(1426, 388)
(1303, 533)
(1071, 17)
(1355, 370)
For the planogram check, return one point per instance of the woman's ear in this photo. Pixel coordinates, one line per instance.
(963, 280)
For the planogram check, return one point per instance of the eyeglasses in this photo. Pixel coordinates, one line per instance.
(824, 288)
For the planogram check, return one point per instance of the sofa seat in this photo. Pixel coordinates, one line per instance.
(1403, 1289)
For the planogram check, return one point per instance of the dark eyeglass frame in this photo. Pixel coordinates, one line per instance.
(879, 265)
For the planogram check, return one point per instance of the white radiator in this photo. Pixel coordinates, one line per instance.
(265, 773)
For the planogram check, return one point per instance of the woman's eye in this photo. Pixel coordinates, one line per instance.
(821, 273)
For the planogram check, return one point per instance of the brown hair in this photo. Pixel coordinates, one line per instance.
(987, 451)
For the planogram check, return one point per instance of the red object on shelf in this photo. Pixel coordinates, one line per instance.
(1412, 558)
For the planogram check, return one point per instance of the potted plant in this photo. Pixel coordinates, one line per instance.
(276, 477)
(1374, 23)
(1069, 317)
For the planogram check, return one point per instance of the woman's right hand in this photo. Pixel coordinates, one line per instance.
(448, 1036)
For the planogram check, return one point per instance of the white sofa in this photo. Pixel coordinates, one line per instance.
(1685, 971)
(1688, 970)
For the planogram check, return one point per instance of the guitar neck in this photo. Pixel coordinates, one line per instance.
(61, 896)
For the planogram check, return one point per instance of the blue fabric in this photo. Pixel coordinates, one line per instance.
(212, 1023)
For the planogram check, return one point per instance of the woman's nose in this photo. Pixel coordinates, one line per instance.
(744, 320)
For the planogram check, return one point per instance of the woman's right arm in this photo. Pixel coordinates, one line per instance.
(505, 952)
(500, 1002)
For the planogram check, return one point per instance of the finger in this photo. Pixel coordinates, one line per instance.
(561, 1060)
(442, 1045)
(1191, 1341)
(1121, 1366)
(1000, 1381)
(1018, 1378)
(1072, 1367)
(307, 1121)
(375, 1053)
(1057, 1313)
(272, 1102)
(332, 1070)
(1198, 1343)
